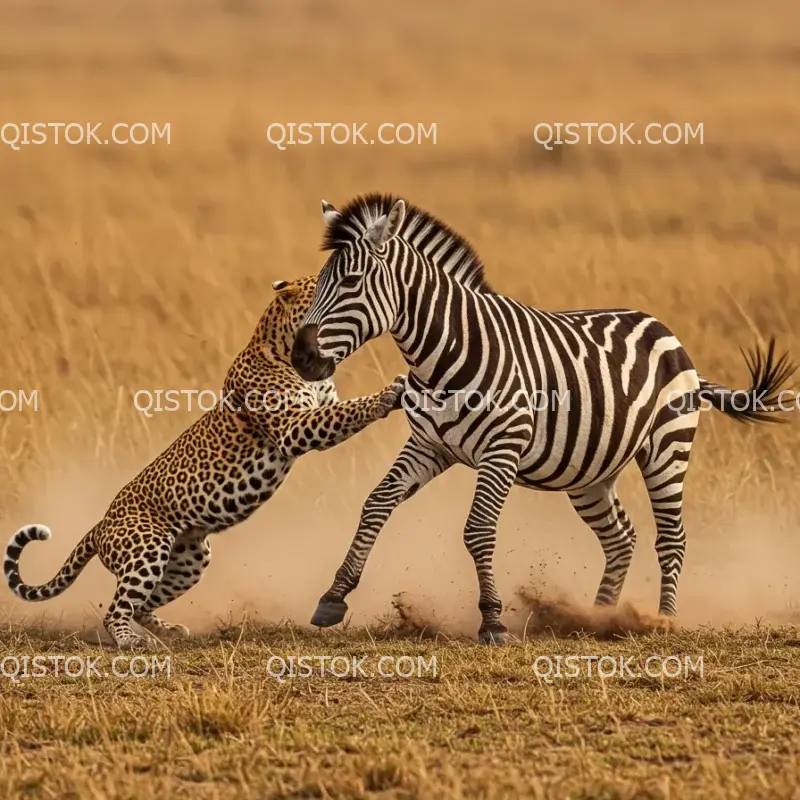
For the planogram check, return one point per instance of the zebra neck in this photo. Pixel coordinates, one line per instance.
(431, 332)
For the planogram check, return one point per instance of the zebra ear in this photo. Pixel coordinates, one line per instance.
(329, 212)
(387, 226)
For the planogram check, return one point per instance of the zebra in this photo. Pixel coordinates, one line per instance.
(634, 394)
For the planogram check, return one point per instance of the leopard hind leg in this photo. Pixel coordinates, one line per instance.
(138, 558)
(190, 556)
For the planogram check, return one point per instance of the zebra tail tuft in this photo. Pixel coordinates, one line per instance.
(762, 401)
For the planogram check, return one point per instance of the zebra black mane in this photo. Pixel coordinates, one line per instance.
(419, 227)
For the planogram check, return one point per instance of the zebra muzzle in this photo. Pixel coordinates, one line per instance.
(306, 359)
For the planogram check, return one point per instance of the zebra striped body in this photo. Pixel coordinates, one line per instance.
(551, 401)
(585, 387)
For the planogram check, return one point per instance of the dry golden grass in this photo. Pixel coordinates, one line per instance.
(127, 268)
(481, 724)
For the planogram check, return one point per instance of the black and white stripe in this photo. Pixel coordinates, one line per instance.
(551, 401)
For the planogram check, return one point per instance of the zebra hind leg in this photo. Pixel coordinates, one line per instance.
(664, 472)
(601, 509)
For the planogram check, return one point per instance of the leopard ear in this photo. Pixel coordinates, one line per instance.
(286, 291)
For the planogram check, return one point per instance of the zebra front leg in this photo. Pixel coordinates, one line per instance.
(414, 467)
(496, 475)
(600, 508)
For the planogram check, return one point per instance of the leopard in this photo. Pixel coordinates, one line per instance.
(155, 535)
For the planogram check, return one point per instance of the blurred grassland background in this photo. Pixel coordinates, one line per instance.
(128, 268)
(139, 268)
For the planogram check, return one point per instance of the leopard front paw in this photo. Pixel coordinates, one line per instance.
(391, 398)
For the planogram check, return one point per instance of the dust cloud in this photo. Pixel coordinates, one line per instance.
(275, 566)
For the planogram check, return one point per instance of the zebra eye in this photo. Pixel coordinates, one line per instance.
(351, 281)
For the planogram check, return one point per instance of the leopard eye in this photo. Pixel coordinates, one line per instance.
(351, 281)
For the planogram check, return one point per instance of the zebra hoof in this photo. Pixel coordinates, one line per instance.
(328, 614)
(493, 636)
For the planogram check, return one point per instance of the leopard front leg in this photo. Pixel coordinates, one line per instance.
(298, 431)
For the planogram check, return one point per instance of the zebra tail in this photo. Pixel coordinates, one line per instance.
(83, 553)
(762, 400)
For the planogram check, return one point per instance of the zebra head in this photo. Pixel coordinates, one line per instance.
(355, 299)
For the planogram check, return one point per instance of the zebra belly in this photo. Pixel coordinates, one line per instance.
(566, 452)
